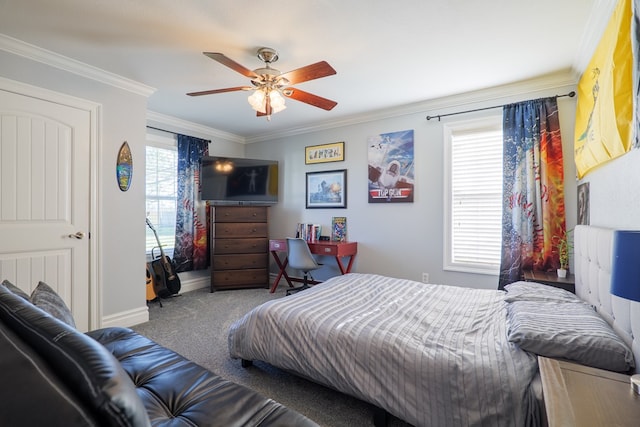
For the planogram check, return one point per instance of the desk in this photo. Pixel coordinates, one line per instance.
(324, 247)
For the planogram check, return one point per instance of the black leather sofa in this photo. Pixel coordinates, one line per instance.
(54, 375)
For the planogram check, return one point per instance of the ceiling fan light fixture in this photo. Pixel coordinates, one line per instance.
(277, 101)
(257, 101)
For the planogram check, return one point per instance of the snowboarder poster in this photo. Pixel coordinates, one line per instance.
(391, 167)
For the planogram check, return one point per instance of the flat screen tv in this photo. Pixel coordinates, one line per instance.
(239, 181)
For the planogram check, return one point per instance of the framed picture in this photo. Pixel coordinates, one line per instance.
(327, 189)
(339, 228)
(324, 153)
(391, 161)
(583, 203)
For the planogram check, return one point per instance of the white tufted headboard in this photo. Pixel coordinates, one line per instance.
(592, 265)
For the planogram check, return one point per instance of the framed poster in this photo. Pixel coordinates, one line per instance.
(583, 203)
(326, 189)
(339, 228)
(324, 153)
(391, 167)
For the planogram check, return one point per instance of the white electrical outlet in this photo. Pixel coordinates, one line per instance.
(425, 277)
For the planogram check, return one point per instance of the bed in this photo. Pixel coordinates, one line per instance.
(429, 354)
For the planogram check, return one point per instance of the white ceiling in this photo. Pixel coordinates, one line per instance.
(386, 53)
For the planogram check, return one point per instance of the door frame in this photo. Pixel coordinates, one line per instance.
(95, 143)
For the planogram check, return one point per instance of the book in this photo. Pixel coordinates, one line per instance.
(339, 228)
(309, 232)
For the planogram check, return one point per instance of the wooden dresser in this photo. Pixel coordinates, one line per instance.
(240, 247)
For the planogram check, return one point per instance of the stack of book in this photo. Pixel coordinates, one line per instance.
(309, 232)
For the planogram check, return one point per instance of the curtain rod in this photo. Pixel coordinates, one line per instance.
(570, 95)
(162, 130)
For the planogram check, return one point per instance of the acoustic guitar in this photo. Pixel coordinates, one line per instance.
(151, 293)
(165, 280)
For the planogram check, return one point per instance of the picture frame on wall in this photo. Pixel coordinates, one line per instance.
(324, 153)
(583, 204)
(391, 167)
(326, 189)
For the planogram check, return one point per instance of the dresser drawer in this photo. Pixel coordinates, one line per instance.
(240, 278)
(239, 230)
(240, 246)
(240, 261)
(240, 214)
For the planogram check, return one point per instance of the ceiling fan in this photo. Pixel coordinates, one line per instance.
(271, 84)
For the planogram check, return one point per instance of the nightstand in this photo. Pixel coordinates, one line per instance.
(577, 395)
(551, 279)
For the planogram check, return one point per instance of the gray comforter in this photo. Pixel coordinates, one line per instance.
(432, 355)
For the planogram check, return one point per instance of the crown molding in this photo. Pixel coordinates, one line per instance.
(174, 124)
(538, 87)
(47, 57)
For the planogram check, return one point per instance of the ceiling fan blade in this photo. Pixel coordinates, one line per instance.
(224, 60)
(309, 98)
(211, 92)
(310, 72)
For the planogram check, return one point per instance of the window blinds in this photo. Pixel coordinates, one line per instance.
(476, 198)
(161, 193)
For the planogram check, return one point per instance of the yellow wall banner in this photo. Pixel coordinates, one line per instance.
(605, 113)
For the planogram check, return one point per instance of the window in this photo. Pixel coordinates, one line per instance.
(473, 195)
(161, 192)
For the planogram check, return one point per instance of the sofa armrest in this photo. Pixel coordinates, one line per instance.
(86, 368)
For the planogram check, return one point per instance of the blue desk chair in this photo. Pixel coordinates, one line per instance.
(300, 258)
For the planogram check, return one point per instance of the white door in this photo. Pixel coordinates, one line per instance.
(45, 198)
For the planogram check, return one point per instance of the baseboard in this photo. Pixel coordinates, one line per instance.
(194, 283)
(127, 318)
(139, 315)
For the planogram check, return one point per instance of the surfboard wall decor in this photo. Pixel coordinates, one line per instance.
(124, 167)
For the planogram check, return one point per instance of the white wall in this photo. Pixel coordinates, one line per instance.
(402, 239)
(614, 192)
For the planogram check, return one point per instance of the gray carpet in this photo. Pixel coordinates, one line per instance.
(195, 324)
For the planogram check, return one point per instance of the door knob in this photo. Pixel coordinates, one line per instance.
(79, 235)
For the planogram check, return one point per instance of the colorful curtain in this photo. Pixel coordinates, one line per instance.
(533, 213)
(190, 251)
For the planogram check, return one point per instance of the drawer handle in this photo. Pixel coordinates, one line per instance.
(327, 249)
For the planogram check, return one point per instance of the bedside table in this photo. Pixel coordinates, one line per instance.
(577, 395)
(551, 279)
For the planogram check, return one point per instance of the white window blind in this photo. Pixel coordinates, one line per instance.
(161, 193)
(474, 217)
